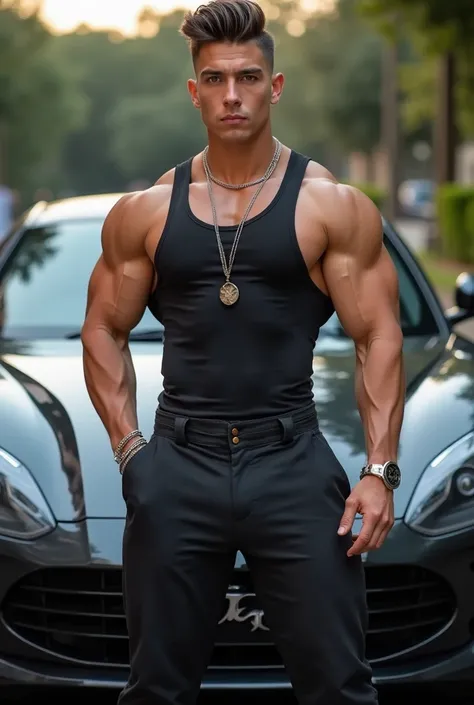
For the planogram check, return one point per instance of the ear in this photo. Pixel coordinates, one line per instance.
(278, 81)
(193, 92)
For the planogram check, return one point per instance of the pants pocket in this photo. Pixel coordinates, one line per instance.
(134, 468)
(327, 456)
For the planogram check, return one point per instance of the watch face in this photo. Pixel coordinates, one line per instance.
(393, 475)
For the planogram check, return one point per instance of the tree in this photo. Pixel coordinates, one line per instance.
(137, 89)
(38, 101)
(448, 23)
(140, 120)
(150, 134)
(419, 84)
(446, 30)
(352, 106)
(341, 55)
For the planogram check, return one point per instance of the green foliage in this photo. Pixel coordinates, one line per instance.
(448, 24)
(38, 101)
(136, 123)
(342, 56)
(376, 194)
(92, 111)
(469, 224)
(455, 210)
(418, 85)
(433, 27)
(353, 106)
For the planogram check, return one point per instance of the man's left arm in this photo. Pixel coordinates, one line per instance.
(363, 285)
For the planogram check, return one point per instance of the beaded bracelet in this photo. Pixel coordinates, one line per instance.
(133, 450)
(123, 442)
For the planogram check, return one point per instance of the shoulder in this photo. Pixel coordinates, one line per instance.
(349, 216)
(316, 172)
(128, 222)
(138, 205)
(135, 209)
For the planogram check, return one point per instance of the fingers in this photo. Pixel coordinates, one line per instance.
(387, 527)
(347, 520)
(362, 542)
(375, 528)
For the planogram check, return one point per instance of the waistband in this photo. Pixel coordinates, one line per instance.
(217, 433)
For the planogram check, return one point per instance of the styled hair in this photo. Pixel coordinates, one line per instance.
(234, 21)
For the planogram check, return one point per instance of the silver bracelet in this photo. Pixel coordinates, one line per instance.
(123, 442)
(137, 444)
(133, 450)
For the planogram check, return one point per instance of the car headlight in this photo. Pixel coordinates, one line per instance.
(24, 512)
(443, 500)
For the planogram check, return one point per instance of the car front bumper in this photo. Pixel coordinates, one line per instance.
(446, 656)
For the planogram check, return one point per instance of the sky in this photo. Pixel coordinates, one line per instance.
(64, 15)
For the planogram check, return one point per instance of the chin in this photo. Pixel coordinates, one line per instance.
(237, 134)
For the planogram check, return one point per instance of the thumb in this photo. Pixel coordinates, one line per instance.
(348, 517)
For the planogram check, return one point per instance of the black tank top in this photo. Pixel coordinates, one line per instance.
(252, 359)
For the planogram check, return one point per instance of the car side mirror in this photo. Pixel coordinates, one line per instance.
(464, 297)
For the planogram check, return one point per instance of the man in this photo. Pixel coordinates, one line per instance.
(237, 460)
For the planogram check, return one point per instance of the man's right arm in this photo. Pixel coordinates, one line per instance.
(118, 292)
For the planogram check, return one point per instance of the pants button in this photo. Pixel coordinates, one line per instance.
(236, 440)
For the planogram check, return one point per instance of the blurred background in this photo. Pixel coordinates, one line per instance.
(93, 99)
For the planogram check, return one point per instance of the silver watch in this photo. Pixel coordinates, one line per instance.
(389, 473)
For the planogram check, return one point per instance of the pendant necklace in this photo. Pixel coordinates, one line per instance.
(229, 292)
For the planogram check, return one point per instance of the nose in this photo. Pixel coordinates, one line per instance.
(232, 97)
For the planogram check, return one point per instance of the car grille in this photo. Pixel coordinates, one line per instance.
(78, 613)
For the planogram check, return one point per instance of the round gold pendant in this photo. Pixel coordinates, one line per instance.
(228, 293)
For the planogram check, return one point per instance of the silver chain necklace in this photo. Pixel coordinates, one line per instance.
(229, 292)
(236, 187)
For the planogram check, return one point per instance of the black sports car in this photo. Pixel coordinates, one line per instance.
(61, 507)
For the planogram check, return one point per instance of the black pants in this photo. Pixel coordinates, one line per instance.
(198, 492)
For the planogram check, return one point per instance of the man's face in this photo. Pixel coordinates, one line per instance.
(234, 89)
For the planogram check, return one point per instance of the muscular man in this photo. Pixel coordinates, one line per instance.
(237, 460)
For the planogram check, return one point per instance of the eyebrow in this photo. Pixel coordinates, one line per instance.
(252, 70)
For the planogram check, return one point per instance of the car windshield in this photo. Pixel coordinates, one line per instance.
(43, 286)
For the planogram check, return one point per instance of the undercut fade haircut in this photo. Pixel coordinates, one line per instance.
(233, 21)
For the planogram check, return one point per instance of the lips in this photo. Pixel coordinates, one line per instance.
(233, 119)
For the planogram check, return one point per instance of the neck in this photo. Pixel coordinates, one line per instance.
(238, 163)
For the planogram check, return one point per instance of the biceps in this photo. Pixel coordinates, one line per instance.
(117, 297)
(365, 295)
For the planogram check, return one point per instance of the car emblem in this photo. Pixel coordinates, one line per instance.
(236, 613)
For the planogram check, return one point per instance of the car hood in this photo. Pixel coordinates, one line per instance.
(47, 420)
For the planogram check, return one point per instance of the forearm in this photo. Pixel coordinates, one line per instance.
(110, 380)
(380, 394)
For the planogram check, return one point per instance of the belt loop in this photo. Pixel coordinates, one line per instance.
(288, 428)
(180, 430)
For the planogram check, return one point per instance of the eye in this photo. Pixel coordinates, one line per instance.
(249, 78)
(213, 79)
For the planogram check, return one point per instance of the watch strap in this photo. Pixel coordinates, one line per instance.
(380, 470)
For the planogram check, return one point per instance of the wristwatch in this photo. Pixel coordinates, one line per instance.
(388, 472)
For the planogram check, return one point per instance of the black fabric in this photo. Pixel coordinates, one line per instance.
(253, 359)
(190, 506)
(213, 432)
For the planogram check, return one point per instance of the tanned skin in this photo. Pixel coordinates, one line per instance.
(339, 231)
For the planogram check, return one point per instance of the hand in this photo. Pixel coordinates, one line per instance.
(374, 501)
